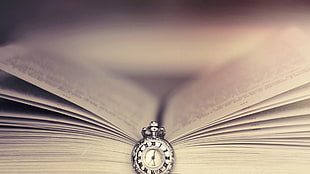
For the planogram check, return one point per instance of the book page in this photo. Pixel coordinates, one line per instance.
(118, 102)
(255, 121)
(243, 159)
(281, 63)
(294, 97)
(15, 89)
(38, 141)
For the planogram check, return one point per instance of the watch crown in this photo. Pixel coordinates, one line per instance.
(153, 130)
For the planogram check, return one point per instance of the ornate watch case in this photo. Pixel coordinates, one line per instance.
(153, 154)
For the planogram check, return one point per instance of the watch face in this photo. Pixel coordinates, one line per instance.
(152, 156)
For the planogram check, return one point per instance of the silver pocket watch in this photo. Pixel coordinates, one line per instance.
(153, 154)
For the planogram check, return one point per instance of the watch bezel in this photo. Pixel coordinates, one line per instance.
(142, 142)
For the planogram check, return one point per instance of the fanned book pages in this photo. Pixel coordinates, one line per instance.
(251, 115)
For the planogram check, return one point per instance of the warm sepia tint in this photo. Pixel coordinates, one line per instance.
(228, 80)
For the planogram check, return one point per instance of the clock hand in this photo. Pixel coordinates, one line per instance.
(150, 159)
(149, 162)
(153, 157)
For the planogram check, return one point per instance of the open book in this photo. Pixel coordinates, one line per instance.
(252, 115)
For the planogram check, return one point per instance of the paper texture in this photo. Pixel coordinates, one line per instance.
(280, 64)
(119, 103)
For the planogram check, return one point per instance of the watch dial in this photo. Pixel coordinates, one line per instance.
(153, 156)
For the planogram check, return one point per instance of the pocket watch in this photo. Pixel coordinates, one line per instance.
(153, 154)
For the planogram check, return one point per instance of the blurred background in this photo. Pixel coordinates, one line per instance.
(159, 44)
